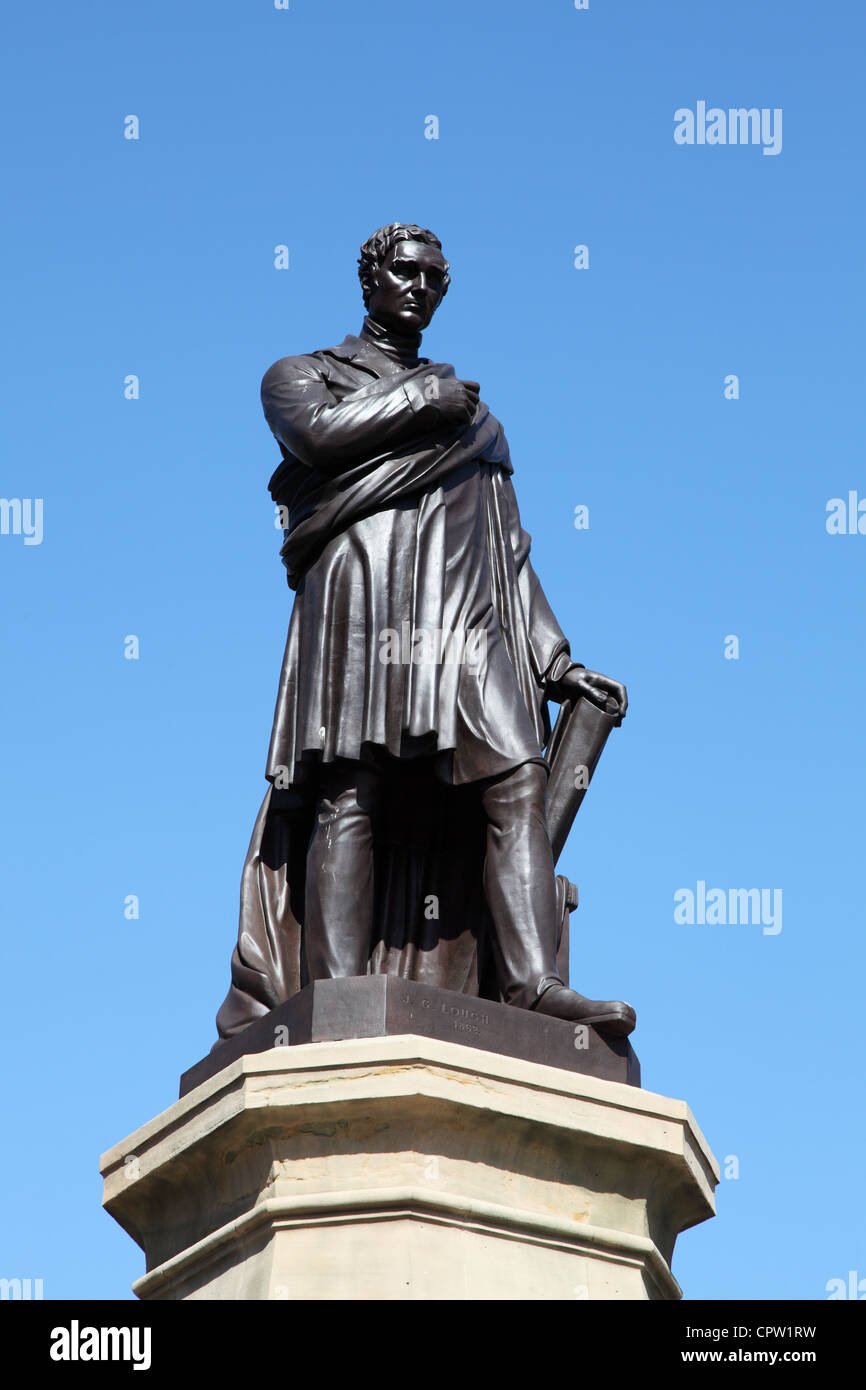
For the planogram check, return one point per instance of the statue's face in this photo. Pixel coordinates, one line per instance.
(408, 287)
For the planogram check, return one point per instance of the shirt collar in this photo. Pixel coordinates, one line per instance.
(365, 350)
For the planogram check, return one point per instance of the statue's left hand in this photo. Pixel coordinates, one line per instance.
(595, 687)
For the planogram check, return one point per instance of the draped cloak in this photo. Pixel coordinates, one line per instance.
(420, 639)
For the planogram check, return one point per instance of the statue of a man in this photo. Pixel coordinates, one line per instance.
(404, 827)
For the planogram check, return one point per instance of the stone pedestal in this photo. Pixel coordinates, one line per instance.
(409, 1167)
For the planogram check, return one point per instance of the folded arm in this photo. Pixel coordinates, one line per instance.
(325, 433)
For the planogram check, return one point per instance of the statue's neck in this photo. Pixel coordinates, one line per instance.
(403, 347)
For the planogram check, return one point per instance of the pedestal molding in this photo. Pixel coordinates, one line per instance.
(385, 1204)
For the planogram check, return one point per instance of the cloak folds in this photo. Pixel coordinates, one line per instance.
(425, 533)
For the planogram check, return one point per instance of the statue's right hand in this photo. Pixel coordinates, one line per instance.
(457, 400)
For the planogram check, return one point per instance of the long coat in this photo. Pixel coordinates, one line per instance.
(419, 636)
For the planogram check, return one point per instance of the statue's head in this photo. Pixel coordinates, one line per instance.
(403, 276)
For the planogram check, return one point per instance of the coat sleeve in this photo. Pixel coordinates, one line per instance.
(324, 433)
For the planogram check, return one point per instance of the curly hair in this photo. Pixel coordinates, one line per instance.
(376, 248)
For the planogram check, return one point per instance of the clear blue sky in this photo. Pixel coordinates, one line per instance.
(155, 257)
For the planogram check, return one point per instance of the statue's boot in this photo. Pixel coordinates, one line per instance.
(607, 1015)
(527, 903)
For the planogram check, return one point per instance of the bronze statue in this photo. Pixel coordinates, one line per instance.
(405, 827)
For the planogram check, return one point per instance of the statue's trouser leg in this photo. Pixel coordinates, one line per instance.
(520, 884)
(338, 917)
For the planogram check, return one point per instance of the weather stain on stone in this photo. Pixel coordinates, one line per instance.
(260, 1137)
